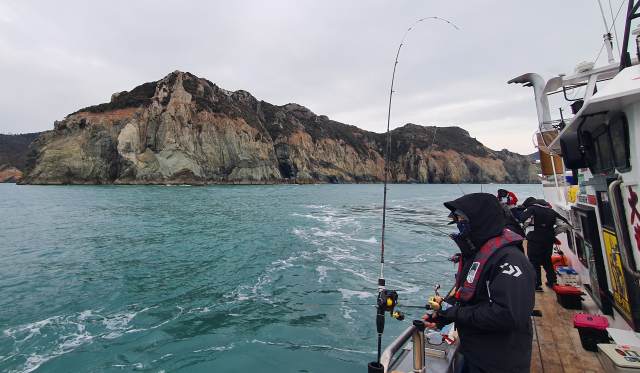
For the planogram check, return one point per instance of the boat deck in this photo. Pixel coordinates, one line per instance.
(556, 344)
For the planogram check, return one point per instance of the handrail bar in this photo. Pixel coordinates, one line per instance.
(395, 346)
(622, 242)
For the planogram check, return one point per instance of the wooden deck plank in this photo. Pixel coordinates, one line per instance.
(589, 360)
(559, 321)
(571, 362)
(536, 363)
(546, 341)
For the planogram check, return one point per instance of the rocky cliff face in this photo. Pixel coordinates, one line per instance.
(9, 174)
(186, 130)
(13, 154)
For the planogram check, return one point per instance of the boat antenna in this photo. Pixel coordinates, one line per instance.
(607, 36)
(387, 300)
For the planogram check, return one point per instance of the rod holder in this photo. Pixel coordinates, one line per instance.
(418, 346)
(375, 367)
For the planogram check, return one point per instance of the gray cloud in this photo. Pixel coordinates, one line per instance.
(334, 57)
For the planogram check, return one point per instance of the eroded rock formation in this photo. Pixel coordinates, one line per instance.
(9, 174)
(186, 130)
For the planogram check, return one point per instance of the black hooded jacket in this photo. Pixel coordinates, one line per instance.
(495, 324)
(545, 221)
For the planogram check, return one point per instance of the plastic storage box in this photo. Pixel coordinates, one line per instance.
(567, 276)
(616, 358)
(568, 297)
(592, 330)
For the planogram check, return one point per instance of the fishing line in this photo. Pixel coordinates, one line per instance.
(425, 261)
(437, 230)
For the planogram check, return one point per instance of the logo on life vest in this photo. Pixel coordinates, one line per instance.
(472, 271)
(511, 270)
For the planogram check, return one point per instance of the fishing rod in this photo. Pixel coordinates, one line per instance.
(387, 300)
(359, 304)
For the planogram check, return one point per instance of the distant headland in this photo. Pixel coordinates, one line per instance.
(186, 130)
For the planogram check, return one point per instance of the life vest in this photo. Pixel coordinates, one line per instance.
(466, 291)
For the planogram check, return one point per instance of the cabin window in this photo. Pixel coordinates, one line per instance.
(580, 250)
(604, 159)
(570, 242)
(619, 137)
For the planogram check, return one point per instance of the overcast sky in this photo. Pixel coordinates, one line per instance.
(334, 57)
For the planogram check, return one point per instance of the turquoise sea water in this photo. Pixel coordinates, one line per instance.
(217, 278)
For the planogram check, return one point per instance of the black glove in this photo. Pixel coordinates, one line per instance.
(439, 319)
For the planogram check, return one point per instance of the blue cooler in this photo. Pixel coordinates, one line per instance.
(567, 276)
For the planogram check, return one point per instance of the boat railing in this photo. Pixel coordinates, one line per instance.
(622, 249)
(415, 331)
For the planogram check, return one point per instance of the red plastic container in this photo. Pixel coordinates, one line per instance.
(568, 297)
(592, 330)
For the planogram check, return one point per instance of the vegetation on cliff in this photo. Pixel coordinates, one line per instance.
(14, 148)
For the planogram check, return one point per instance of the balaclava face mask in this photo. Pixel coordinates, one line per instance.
(463, 239)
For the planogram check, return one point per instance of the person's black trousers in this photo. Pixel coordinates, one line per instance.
(539, 254)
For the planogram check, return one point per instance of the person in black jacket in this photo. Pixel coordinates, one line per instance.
(494, 295)
(547, 224)
(512, 224)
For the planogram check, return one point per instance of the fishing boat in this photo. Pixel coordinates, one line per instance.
(590, 175)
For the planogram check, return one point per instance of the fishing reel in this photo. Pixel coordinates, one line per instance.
(387, 301)
(429, 306)
(455, 258)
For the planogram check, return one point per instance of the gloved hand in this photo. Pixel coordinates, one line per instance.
(434, 302)
(436, 320)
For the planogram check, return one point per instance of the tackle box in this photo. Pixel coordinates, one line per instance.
(592, 330)
(567, 276)
(617, 358)
(568, 297)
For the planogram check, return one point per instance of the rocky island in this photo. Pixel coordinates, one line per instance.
(186, 130)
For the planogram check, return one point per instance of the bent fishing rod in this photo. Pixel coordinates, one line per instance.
(387, 299)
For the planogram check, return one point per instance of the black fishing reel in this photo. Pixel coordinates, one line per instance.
(387, 301)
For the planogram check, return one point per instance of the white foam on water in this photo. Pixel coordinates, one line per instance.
(324, 347)
(369, 279)
(328, 234)
(112, 335)
(168, 321)
(370, 240)
(223, 348)
(323, 272)
(318, 206)
(70, 343)
(199, 310)
(71, 333)
(347, 313)
(348, 294)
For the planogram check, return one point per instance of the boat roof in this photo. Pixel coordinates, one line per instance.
(622, 91)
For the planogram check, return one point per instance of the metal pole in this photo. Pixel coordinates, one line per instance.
(418, 347)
